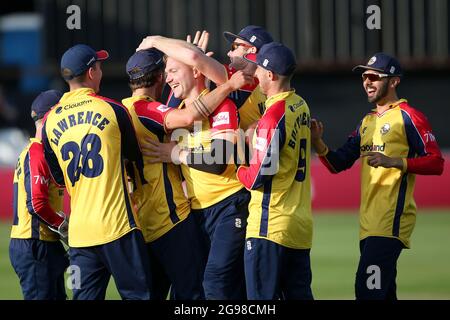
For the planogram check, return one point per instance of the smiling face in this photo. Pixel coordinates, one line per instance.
(376, 85)
(236, 54)
(180, 77)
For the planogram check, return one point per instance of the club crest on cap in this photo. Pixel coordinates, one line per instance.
(392, 69)
(372, 61)
(265, 62)
(252, 39)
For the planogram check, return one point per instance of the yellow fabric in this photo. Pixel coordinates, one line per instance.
(288, 201)
(204, 189)
(252, 109)
(380, 187)
(163, 192)
(101, 209)
(23, 230)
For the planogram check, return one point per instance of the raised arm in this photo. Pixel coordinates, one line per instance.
(189, 54)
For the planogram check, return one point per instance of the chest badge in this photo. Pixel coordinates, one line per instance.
(385, 128)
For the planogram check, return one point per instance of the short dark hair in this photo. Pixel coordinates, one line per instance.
(67, 74)
(148, 80)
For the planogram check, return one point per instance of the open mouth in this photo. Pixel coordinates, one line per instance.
(371, 91)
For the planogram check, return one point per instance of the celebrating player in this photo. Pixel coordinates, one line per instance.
(37, 256)
(218, 201)
(87, 138)
(279, 230)
(396, 143)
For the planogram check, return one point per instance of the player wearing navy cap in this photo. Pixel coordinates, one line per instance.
(87, 139)
(279, 230)
(249, 99)
(177, 255)
(397, 143)
(36, 255)
(218, 201)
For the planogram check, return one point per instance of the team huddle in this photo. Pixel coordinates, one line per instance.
(205, 195)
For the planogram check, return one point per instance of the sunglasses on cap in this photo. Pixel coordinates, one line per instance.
(374, 76)
(235, 45)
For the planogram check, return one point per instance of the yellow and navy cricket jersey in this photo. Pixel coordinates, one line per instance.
(279, 174)
(86, 139)
(36, 197)
(249, 100)
(206, 189)
(387, 204)
(161, 202)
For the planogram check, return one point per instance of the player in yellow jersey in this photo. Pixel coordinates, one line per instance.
(36, 255)
(172, 235)
(396, 143)
(279, 230)
(87, 138)
(248, 98)
(218, 201)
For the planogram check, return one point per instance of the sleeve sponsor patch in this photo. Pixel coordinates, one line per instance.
(163, 108)
(260, 144)
(221, 118)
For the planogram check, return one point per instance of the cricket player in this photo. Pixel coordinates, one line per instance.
(279, 230)
(395, 142)
(86, 139)
(218, 201)
(249, 99)
(36, 254)
(177, 253)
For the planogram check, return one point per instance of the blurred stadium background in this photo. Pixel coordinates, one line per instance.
(328, 37)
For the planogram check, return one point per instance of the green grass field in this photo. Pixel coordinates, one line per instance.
(423, 271)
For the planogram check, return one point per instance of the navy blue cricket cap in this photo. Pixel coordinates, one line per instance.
(143, 62)
(44, 102)
(382, 62)
(274, 57)
(256, 35)
(79, 58)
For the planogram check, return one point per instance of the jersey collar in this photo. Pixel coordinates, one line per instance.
(392, 106)
(78, 92)
(277, 97)
(128, 102)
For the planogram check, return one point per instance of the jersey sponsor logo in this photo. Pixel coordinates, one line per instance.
(363, 131)
(58, 110)
(75, 105)
(221, 118)
(297, 105)
(385, 128)
(429, 137)
(260, 144)
(163, 108)
(373, 147)
(41, 180)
